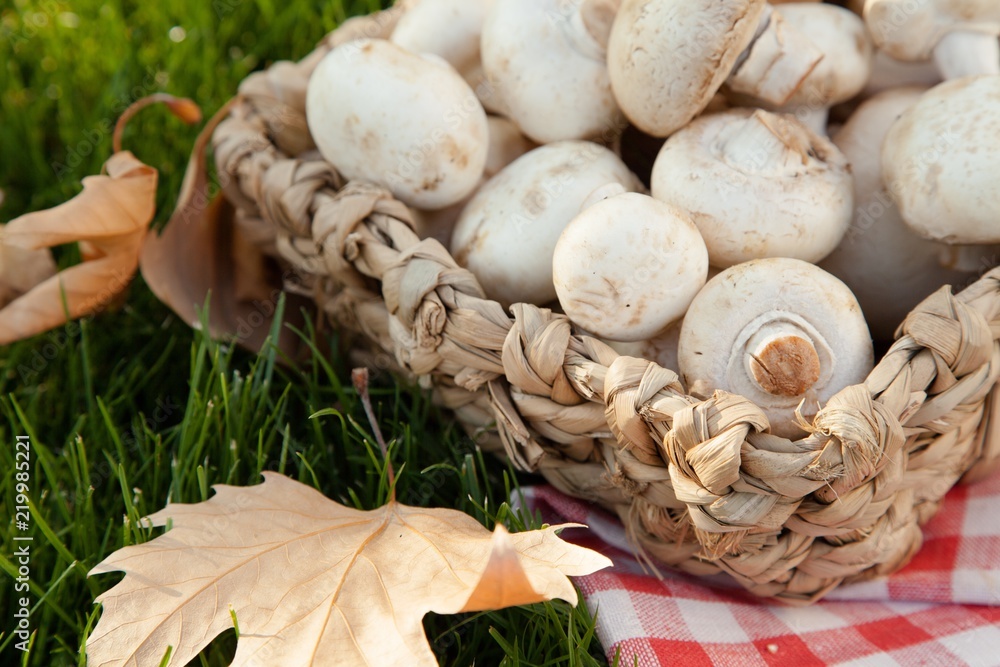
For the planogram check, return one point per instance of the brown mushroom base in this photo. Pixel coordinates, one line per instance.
(701, 485)
(786, 366)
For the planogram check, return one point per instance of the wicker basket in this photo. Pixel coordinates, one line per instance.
(700, 484)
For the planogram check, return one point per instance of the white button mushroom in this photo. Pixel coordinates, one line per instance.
(960, 35)
(775, 331)
(548, 68)
(628, 266)
(506, 145)
(842, 73)
(888, 267)
(407, 122)
(667, 58)
(450, 29)
(508, 232)
(757, 185)
(941, 162)
(887, 73)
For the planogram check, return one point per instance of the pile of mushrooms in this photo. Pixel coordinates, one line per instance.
(745, 192)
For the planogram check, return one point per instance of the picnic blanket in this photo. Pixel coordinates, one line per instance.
(942, 609)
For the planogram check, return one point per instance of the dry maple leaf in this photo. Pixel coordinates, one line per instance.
(108, 219)
(202, 250)
(313, 582)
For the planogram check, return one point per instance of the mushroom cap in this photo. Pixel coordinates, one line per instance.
(847, 63)
(941, 160)
(667, 58)
(450, 29)
(598, 16)
(888, 267)
(627, 267)
(407, 122)
(909, 30)
(506, 145)
(788, 317)
(661, 348)
(548, 70)
(508, 232)
(757, 184)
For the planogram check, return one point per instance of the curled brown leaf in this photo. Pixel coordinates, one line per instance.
(21, 269)
(109, 219)
(202, 251)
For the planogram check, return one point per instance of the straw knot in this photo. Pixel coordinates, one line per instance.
(533, 358)
(705, 449)
(858, 436)
(267, 125)
(243, 153)
(534, 352)
(955, 332)
(705, 443)
(365, 236)
(288, 193)
(418, 289)
(339, 215)
(278, 95)
(641, 399)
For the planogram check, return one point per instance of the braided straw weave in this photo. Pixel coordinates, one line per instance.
(700, 484)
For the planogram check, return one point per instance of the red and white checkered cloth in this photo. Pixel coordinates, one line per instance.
(942, 609)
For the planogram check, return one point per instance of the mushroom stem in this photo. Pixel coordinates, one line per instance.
(815, 118)
(782, 360)
(760, 141)
(583, 40)
(776, 63)
(597, 17)
(967, 52)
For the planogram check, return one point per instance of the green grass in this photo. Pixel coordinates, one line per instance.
(131, 409)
